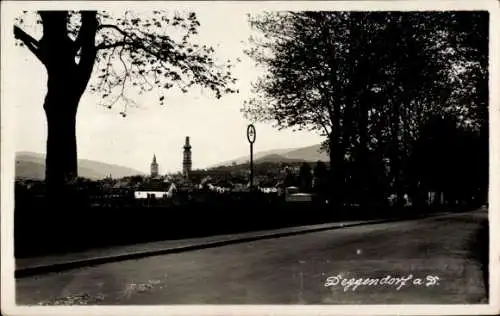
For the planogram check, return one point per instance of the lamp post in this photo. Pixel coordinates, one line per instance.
(251, 134)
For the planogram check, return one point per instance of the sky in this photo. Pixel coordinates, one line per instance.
(217, 128)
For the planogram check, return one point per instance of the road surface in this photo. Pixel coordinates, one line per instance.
(383, 260)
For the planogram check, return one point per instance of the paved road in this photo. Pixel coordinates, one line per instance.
(291, 270)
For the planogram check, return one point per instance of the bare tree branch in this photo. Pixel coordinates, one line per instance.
(86, 39)
(112, 26)
(32, 44)
(103, 46)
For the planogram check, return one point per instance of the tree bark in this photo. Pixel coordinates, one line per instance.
(336, 190)
(64, 90)
(67, 81)
(395, 159)
(366, 173)
(61, 161)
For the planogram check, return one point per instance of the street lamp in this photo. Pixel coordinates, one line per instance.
(251, 134)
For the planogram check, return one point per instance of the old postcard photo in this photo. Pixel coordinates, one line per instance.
(247, 157)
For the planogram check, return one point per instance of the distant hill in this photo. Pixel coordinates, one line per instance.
(275, 158)
(256, 156)
(32, 166)
(309, 154)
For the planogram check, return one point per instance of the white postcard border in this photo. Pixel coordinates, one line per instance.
(11, 8)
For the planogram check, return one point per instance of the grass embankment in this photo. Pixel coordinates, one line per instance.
(76, 227)
(479, 246)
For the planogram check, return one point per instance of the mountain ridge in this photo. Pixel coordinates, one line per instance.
(311, 153)
(31, 165)
(257, 155)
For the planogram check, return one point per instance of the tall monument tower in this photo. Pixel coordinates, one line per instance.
(154, 167)
(186, 162)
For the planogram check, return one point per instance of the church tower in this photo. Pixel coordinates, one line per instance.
(154, 167)
(186, 162)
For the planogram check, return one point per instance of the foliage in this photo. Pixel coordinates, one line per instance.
(370, 82)
(138, 52)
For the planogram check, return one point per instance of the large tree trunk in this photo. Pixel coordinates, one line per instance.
(61, 161)
(395, 159)
(367, 190)
(336, 190)
(67, 81)
(64, 91)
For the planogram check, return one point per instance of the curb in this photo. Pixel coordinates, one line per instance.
(63, 266)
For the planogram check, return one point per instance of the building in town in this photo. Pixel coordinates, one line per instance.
(162, 189)
(154, 167)
(187, 163)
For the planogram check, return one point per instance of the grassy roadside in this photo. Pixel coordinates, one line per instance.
(479, 247)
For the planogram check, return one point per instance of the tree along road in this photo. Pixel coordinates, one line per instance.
(372, 264)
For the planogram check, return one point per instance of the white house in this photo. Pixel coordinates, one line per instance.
(157, 194)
